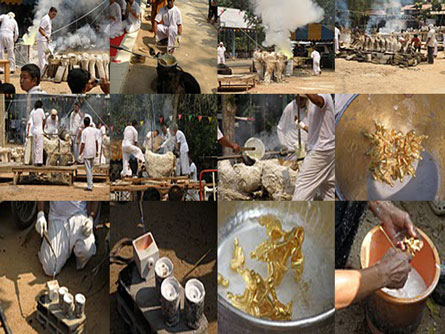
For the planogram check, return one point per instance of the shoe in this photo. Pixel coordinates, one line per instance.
(88, 189)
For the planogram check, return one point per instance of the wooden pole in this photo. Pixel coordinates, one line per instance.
(2, 121)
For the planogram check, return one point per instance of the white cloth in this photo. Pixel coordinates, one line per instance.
(193, 193)
(132, 23)
(46, 25)
(42, 46)
(221, 54)
(168, 20)
(435, 48)
(102, 133)
(130, 136)
(52, 126)
(116, 27)
(317, 172)
(89, 139)
(183, 166)
(168, 142)
(431, 38)
(9, 33)
(42, 42)
(321, 125)
(89, 163)
(37, 116)
(287, 130)
(36, 90)
(180, 139)
(219, 134)
(65, 232)
(75, 122)
(337, 37)
(315, 55)
(148, 142)
(128, 150)
(37, 148)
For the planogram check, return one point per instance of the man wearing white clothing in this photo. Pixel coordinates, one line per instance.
(38, 123)
(220, 50)
(101, 128)
(183, 167)
(318, 170)
(129, 147)
(90, 148)
(69, 229)
(337, 37)
(168, 24)
(52, 123)
(430, 42)
(194, 193)
(168, 140)
(9, 32)
(315, 55)
(132, 17)
(44, 37)
(30, 79)
(76, 119)
(116, 28)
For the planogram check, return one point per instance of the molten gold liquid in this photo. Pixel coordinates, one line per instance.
(260, 298)
(222, 281)
(413, 245)
(393, 153)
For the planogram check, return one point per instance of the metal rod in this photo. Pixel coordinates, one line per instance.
(387, 237)
(299, 130)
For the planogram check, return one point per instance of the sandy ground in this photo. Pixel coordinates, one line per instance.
(22, 278)
(48, 86)
(305, 82)
(101, 192)
(368, 78)
(353, 319)
(183, 233)
(196, 54)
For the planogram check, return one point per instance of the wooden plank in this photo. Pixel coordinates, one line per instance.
(44, 169)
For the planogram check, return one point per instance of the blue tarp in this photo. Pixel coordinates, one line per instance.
(307, 34)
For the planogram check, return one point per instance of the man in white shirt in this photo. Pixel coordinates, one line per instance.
(30, 79)
(221, 49)
(318, 170)
(183, 166)
(38, 123)
(337, 37)
(132, 16)
(52, 123)
(44, 37)
(315, 55)
(150, 140)
(9, 32)
(101, 128)
(76, 119)
(69, 230)
(168, 140)
(193, 194)
(168, 24)
(116, 28)
(287, 130)
(90, 149)
(225, 142)
(430, 42)
(129, 146)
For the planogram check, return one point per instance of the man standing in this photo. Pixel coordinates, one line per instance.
(52, 123)
(70, 230)
(129, 146)
(430, 42)
(44, 37)
(150, 141)
(315, 55)
(116, 28)
(213, 10)
(102, 133)
(38, 123)
(183, 167)
(9, 32)
(221, 49)
(76, 118)
(318, 170)
(90, 148)
(30, 79)
(337, 37)
(168, 25)
(132, 17)
(168, 141)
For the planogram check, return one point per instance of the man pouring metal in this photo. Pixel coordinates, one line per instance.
(44, 37)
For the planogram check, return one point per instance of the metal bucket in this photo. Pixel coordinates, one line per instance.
(423, 113)
(388, 314)
(312, 297)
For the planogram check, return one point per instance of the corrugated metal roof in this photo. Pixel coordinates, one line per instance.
(233, 18)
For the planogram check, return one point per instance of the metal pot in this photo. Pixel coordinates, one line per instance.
(423, 113)
(312, 297)
(252, 156)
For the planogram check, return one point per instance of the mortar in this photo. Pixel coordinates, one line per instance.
(422, 113)
(146, 254)
(388, 314)
(312, 296)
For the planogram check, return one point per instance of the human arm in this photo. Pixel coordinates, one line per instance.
(97, 149)
(316, 99)
(179, 29)
(224, 141)
(41, 223)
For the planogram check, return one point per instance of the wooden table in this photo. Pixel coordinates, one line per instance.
(236, 80)
(6, 68)
(18, 171)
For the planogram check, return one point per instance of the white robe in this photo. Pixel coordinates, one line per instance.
(9, 33)
(116, 27)
(168, 20)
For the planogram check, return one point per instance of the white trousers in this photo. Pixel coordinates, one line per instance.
(317, 172)
(66, 236)
(89, 163)
(316, 67)
(28, 151)
(183, 165)
(75, 147)
(170, 32)
(37, 148)
(221, 59)
(7, 42)
(42, 46)
(126, 152)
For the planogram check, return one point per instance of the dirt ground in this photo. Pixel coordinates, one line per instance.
(305, 82)
(48, 86)
(22, 277)
(183, 233)
(196, 53)
(368, 78)
(353, 319)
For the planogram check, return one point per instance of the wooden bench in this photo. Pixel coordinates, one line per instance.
(236, 80)
(18, 171)
(6, 69)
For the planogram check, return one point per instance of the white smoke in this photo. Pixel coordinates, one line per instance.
(281, 18)
(80, 34)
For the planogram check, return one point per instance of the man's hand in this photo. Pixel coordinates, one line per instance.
(394, 268)
(87, 227)
(105, 85)
(300, 125)
(41, 224)
(236, 148)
